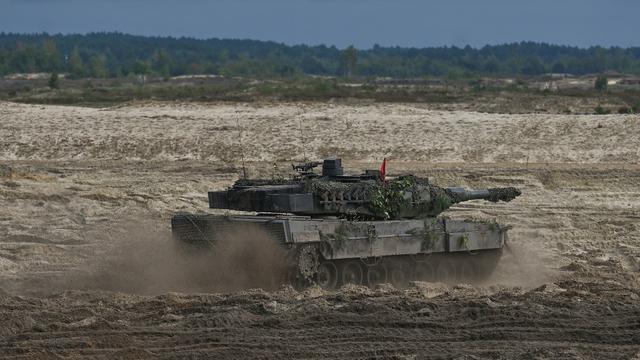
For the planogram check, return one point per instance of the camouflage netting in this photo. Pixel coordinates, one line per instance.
(308, 262)
(503, 194)
(335, 190)
(393, 199)
(402, 197)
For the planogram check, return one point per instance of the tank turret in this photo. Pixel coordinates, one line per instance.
(364, 196)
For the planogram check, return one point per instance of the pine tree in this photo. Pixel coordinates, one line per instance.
(54, 82)
(349, 60)
(98, 67)
(76, 66)
(601, 83)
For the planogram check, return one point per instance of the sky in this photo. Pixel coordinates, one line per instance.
(361, 23)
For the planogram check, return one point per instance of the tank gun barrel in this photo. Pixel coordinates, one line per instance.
(494, 194)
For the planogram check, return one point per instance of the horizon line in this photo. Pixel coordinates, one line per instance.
(181, 37)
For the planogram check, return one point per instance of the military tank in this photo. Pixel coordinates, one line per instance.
(360, 229)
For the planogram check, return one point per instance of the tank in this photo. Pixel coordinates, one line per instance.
(360, 229)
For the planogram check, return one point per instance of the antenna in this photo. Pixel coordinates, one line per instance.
(304, 151)
(244, 169)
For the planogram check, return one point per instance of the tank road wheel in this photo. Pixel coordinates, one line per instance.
(327, 277)
(446, 271)
(352, 273)
(376, 274)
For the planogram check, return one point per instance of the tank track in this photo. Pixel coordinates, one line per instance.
(401, 270)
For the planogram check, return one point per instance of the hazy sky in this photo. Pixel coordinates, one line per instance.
(341, 22)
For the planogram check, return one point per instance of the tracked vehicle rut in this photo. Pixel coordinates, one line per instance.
(359, 229)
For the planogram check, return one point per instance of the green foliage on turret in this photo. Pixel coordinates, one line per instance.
(399, 198)
(439, 204)
(389, 199)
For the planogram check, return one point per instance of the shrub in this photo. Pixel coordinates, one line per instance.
(54, 82)
(601, 83)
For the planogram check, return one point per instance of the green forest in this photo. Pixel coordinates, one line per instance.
(109, 55)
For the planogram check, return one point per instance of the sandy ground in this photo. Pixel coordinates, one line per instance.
(278, 132)
(87, 268)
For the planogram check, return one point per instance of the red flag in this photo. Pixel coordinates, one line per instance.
(383, 169)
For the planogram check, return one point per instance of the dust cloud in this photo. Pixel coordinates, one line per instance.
(525, 263)
(144, 259)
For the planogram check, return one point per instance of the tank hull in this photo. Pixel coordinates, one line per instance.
(332, 252)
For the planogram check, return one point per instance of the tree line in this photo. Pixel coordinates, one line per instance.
(103, 55)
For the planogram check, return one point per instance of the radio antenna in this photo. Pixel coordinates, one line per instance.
(304, 151)
(244, 168)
